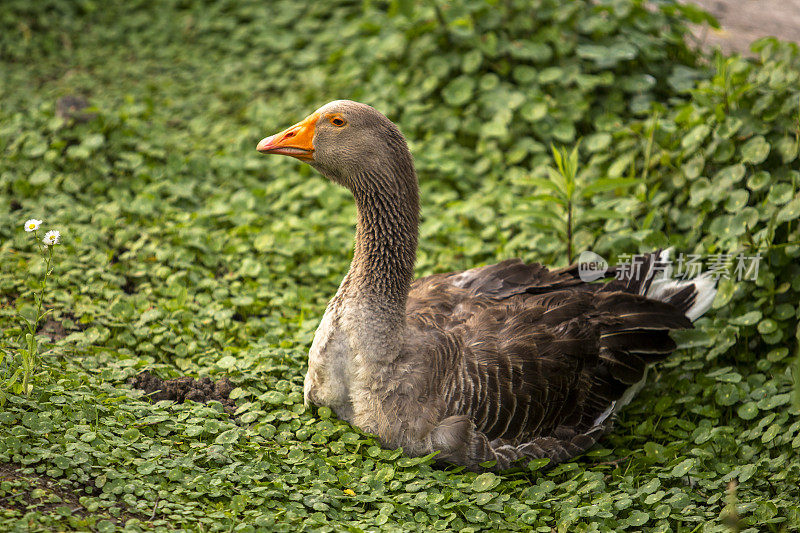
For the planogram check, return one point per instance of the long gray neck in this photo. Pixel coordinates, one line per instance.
(386, 239)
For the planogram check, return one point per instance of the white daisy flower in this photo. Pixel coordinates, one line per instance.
(32, 225)
(51, 237)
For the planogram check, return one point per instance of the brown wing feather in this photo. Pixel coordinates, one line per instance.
(500, 280)
(525, 352)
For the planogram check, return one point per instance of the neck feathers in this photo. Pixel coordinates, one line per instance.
(373, 295)
(386, 234)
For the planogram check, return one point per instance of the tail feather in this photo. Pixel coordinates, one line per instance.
(639, 334)
(655, 342)
(650, 275)
(694, 297)
(623, 368)
(638, 275)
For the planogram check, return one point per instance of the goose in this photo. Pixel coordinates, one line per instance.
(489, 366)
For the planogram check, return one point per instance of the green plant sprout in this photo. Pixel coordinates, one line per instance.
(564, 178)
(29, 355)
(566, 204)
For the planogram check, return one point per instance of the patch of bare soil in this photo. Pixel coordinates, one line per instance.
(71, 107)
(201, 390)
(58, 329)
(53, 329)
(24, 493)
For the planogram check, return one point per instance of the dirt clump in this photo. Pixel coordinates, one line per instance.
(201, 390)
(71, 107)
(53, 329)
(58, 327)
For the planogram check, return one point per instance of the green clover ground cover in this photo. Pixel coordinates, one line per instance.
(186, 253)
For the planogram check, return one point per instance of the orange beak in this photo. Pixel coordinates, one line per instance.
(296, 141)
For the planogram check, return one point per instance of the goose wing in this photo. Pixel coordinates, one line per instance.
(525, 352)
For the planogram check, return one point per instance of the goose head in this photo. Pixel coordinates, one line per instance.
(348, 142)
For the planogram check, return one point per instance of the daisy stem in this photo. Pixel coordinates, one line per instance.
(30, 356)
(47, 260)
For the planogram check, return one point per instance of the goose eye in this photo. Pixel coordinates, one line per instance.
(338, 121)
